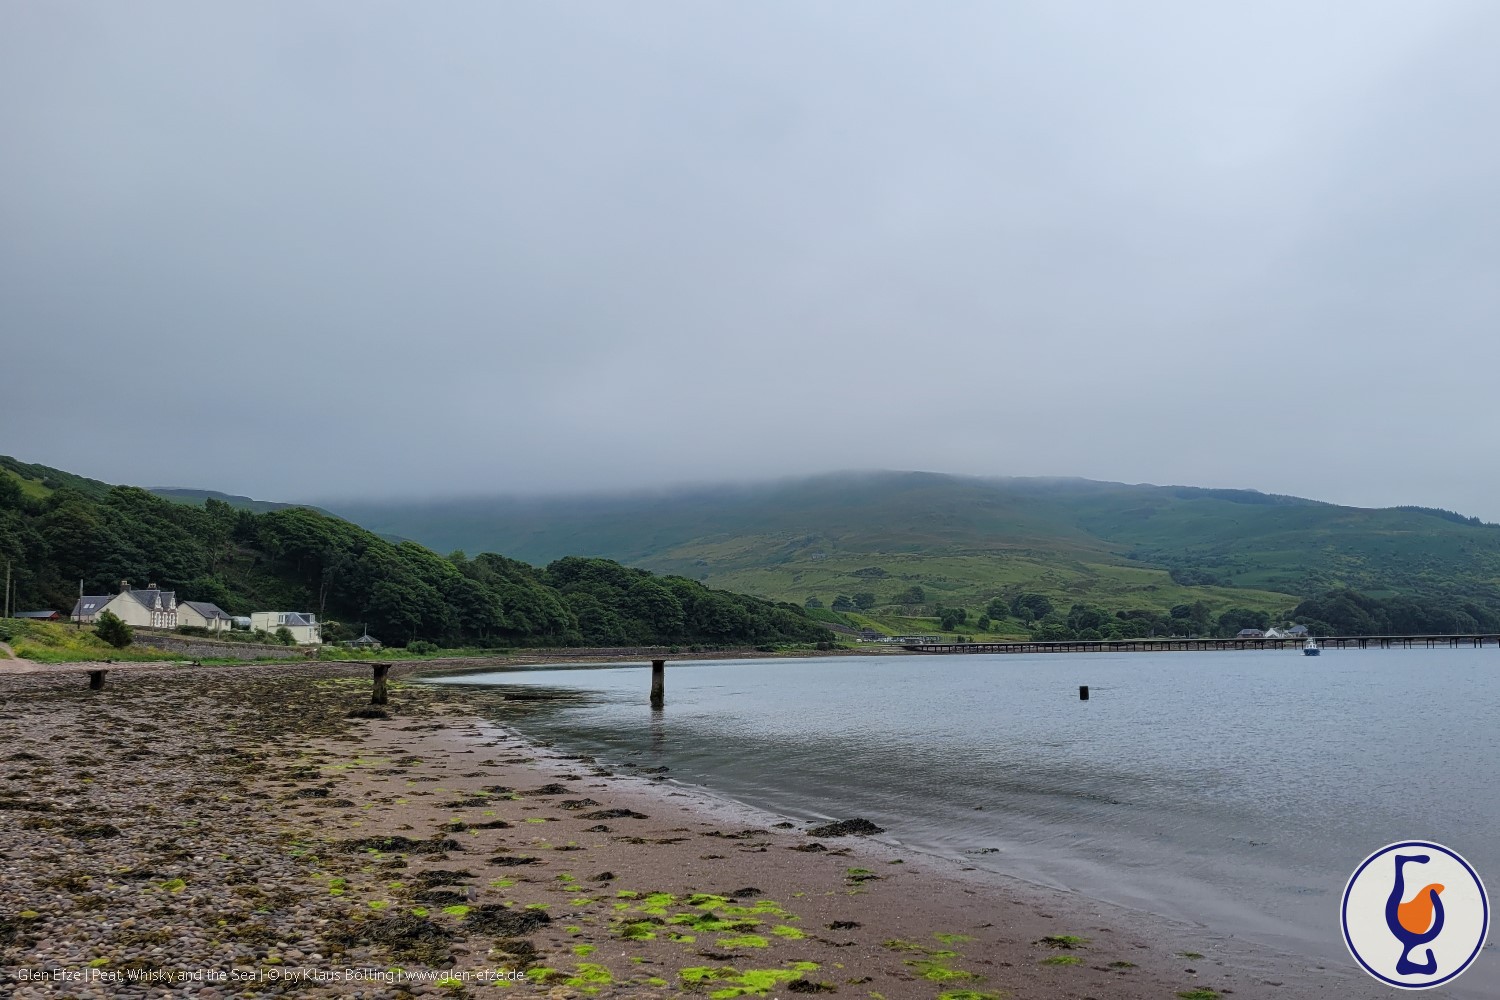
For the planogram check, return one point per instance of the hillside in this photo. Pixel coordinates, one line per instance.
(965, 541)
(57, 529)
(197, 498)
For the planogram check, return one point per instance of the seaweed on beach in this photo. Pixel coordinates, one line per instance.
(551, 789)
(615, 814)
(494, 918)
(439, 876)
(397, 844)
(407, 936)
(858, 826)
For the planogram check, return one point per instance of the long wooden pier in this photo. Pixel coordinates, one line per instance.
(1175, 644)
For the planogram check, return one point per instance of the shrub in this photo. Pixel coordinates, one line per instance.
(112, 630)
(284, 636)
(7, 631)
(421, 647)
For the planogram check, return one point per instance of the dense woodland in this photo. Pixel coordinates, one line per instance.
(56, 530)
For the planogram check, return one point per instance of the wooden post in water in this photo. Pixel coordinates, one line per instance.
(96, 680)
(1083, 692)
(378, 696)
(658, 683)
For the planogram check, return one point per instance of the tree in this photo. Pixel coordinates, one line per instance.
(112, 630)
(984, 623)
(864, 600)
(912, 595)
(1030, 607)
(843, 603)
(997, 608)
(952, 618)
(812, 602)
(1232, 621)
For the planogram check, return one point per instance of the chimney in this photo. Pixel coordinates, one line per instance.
(124, 586)
(151, 586)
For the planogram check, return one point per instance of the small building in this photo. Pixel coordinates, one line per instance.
(1275, 633)
(870, 635)
(149, 608)
(302, 624)
(1297, 632)
(39, 616)
(1250, 633)
(202, 614)
(240, 622)
(366, 641)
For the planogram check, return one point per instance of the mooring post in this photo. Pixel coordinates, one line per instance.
(1083, 692)
(378, 696)
(96, 680)
(658, 683)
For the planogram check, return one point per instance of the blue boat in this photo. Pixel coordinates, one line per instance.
(1310, 648)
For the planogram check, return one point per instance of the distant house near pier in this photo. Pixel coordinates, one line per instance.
(366, 641)
(202, 614)
(302, 624)
(148, 608)
(1297, 632)
(1250, 633)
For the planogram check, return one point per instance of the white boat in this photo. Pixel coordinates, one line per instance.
(1311, 648)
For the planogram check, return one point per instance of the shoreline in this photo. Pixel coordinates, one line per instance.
(235, 819)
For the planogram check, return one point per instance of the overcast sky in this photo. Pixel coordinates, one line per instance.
(319, 250)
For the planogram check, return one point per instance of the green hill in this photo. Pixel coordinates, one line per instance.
(197, 498)
(965, 541)
(57, 529)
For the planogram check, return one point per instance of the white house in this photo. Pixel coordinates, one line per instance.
(149, 608)
(302, 624)
(202, 615)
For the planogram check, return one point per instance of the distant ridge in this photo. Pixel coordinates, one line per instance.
(185, 495)
(969, 539)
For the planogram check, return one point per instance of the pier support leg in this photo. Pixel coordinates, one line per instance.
(378, 695)
(1083, 692)
(658, 683)
(96, 680)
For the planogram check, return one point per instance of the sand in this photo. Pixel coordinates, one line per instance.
(227, 831)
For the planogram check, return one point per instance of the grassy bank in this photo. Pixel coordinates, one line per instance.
(57, 642)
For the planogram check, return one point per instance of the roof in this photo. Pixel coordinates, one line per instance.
(1297, 630)
(91, 605)
(1250, 632)
(35, 614)
(152, 599)
(294, 619)
(365, 640)
(206, 609)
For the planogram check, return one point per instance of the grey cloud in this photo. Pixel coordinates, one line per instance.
(393, 249)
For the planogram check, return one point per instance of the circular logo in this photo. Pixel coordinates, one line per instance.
(1415, 915)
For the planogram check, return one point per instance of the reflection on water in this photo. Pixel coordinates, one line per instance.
(1239, 789)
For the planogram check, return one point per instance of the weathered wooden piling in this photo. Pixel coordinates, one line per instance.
(378, 696)
(96, 680)
(1083, 692)
(658, 683)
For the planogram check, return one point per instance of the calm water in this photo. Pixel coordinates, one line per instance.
(1236, 789)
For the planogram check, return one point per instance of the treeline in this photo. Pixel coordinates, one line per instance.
(1336, 612)
(301, 560)
(1348, 612)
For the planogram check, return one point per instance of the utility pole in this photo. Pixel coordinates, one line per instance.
(78, 624)
(7, 588)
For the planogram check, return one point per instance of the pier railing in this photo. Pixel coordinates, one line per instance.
(1175, 644)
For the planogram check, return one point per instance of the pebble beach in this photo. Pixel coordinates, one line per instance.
(257, 830)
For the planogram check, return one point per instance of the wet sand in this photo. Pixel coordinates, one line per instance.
(230, 831)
